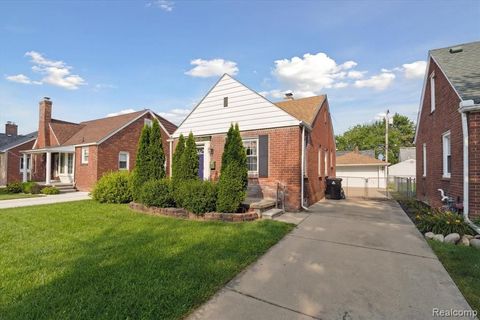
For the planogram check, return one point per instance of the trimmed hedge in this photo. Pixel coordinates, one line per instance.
(113, 187)
(14, 187)
(31, 187)
(196, 196)
(231, 189)
(50, 190)
(157, 193)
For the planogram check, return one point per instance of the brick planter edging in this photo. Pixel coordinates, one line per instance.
(184, 214)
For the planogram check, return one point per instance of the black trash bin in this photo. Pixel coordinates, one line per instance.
(334, 188)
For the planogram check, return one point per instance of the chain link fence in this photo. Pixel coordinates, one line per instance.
(403, 186)
(365, 187)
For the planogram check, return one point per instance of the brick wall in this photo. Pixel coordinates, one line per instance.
(13, 161)
(474, 161)
(431, 127)
(86, 174)
(321, 143)
(104, 158)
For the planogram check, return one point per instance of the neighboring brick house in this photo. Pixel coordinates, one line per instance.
(80, 153)
(448, 128)
(277, 136)
(11, 160)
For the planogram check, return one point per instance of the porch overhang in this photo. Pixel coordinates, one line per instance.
(62, 149)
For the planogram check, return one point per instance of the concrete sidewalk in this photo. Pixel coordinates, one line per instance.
(66, 197)
(345, 260)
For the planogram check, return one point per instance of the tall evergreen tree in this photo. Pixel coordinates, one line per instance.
(177, 159)
(226, 156)
(141, 173)
(234, 152)
(189, 161)
(157, 156)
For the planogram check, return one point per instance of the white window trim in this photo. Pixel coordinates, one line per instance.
(424, 156)
(446, 174)
(320, 162)
(258, 156)
(148, 122)
(28, 164)
(326, 156)
(128, 160)
(85, 161)
(432, 92)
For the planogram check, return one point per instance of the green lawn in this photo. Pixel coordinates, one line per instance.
(463, 265)
(83, 260)
(10, 196)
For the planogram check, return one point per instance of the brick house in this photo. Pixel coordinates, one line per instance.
(80, 153)
(288, 143)
(11, 160)
(448, 128)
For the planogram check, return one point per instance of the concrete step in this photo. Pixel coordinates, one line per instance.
(259, 207)
(272, 213)
(67, 190)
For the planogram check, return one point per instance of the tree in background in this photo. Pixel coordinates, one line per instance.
(233, 174)
(177, 159)
(141, 174)
(372, 136)
(189, 160)
(155, 150)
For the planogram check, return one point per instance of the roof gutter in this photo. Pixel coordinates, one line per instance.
(464, 108)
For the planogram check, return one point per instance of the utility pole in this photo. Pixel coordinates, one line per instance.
(386, 135)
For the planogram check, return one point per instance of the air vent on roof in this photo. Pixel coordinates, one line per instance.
(456, 49)
(289, 95)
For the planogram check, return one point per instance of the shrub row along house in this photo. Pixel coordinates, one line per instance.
(80, 153)
(448, 128)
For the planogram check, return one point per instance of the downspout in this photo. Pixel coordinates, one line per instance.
(170, 157)
(302, 173)
(465, 107)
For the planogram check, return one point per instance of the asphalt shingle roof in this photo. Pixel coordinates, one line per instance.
(355, 158)
(17, 140)
(461, 68)
(304, 109)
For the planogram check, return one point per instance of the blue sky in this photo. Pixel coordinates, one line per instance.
(94, 58)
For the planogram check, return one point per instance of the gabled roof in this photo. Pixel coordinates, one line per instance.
(368, 153)
(18, 140)
(64, 130)
(356, 159)
(94, 131)
(462, 68)
(304, 109)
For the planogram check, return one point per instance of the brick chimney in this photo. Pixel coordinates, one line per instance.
(11, 129)
(45, 117)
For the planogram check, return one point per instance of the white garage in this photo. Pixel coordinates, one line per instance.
(362, 175)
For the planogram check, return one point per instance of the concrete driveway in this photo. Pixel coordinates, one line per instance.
(345, 260)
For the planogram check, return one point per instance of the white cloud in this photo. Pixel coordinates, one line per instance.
(311, 73)
(353, 74)
(210, 68)
(175, 115)
(21, 78)
(378, 82)
(125, 111)
(415, 69)
(165, 5)
(100, 86)
(56, 73)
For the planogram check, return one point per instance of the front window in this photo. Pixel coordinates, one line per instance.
(148, 122)
(22, 164)
(85, 155)
(447, 154)
(62, 163)
(326, 163)
(123, 159)
(251, 149)
(424, 156)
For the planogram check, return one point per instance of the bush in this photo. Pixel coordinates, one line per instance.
(440, 222)
(196, 196)
(231, 189)
(157, 193)
(14, 187)
(31, 187)
(50, 190)
(3, 191)
(113, 187)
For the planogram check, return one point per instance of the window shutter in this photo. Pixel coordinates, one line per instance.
(263, 156)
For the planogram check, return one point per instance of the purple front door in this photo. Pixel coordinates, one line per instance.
(200, 162)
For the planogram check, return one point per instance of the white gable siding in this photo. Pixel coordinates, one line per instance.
(245, 107)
